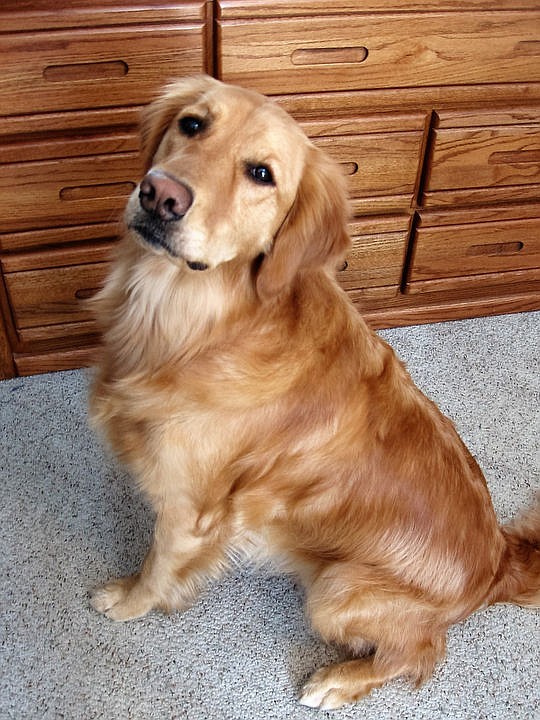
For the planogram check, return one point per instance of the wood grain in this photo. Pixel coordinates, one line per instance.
(7, 366)
(490, 247)
(37, 194)
(53, 295)
(56, 236)
(422, 49)
(448, 309)
(152, 54)
(236, 9)
(485, 157)
(433, 109)
(377, 164)
(17, 15)
(56, 359)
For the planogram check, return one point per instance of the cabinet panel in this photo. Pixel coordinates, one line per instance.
(96, 232)
(377, 164)
(485, 157)
(59, 359)
(17, 15)
(464, 250)
(263, 9)
(49, 296)
(93, 68)
(379, 50)
(66, 191)
(377, 255)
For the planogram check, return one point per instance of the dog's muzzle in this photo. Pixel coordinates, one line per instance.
(163, 200)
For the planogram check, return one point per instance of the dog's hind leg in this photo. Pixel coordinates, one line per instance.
(346, 682)
(405, 637)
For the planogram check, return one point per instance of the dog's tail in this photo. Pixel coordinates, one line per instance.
(518, 578)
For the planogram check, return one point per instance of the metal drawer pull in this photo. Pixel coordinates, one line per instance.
(329, 56)
(86, 71)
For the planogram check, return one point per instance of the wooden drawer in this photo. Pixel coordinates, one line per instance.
(482, 248)
(66, 191)
(378, 164)
(46, 289)
(377, 255)
(96, 232)
(94, 67)
(379, 50)
(487, 157)
(19, 15)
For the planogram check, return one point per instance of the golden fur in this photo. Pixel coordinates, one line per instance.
(262, 417)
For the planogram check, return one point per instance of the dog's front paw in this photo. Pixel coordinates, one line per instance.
(323, 692)
(336, 685)
(122, 599)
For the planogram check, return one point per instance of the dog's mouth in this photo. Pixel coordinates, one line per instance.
(153, 232)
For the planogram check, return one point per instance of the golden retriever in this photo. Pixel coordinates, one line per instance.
(262, 417)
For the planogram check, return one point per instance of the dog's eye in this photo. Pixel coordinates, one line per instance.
(191, 125)
(260, 174)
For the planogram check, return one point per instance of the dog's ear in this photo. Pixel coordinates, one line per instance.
(158, 115)
(314, 233)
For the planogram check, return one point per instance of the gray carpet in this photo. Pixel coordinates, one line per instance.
(71, 520)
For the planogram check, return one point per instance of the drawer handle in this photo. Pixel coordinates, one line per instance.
(349, 168)
(85, 293)
(527, 47)
(508, 248)
(344, 265)
(86, 71)
(93, 192)
(514, 156)
(329, 56)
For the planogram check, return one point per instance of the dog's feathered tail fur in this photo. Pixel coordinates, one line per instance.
(518, 579)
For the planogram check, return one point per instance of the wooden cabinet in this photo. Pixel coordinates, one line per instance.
(73, 77)
(327, 48)
(432, 109)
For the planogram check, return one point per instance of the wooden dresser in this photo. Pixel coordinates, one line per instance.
(432, 109)
(73, 76)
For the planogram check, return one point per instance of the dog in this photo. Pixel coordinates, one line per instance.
(261, 416)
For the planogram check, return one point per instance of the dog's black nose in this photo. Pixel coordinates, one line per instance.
(164, 195)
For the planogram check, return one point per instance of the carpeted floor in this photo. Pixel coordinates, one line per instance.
(70, 520)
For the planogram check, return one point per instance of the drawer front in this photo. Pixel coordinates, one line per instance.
(379, 51)
(51, 296)
(490, 157)
(63, 144)
(93, 68)
(483, 248)
(376, 258)
(47, 237)
(66, 192)
(378, 164)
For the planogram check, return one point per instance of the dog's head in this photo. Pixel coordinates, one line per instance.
(231, 176)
